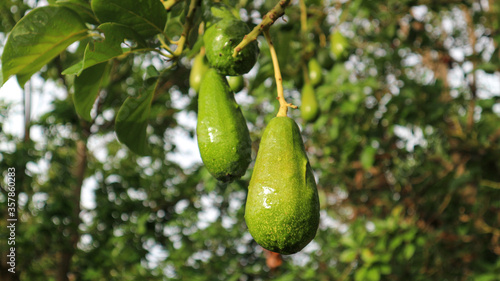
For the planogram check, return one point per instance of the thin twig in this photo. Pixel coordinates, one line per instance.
(279, 81)
(303, 17)
(267, 21)
(164, 44)
(187, 28)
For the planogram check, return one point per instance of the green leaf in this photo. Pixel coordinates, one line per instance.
(385, 269)
(152, 72)
(87, 87)
(409, 251)
(37, 38)
(348, 255)
(109, 48)
(360, 274)
(131, 121)
(146, 17)
(386, 257)
(395, 242)
(486, 277)
(82, 8)
(368, 256)
(348, 241)
(74, 69)
(368, 157)
(373, 274)
(141, 223)
(410, 234)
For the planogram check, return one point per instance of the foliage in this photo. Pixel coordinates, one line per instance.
(405, 150)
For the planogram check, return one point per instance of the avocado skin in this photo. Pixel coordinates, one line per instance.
(220, 40)
(282, 208)
(236, 83)
(200, 66)
(315, 72)
(222, 132)
(309, 107)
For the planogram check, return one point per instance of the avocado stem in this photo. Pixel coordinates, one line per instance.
(279, 80)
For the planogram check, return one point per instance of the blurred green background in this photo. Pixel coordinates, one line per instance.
(406, 153)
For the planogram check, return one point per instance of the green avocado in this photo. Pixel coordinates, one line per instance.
(200, 66)
(338, 45)
(282, 208)
(309, 107)
(315, 72)
(220, 40)
(236, 83)
(223, 137)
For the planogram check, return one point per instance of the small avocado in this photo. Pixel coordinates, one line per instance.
(222, 132)
(200, 66)
(282, 208)
(309, 107)
(315, 72)
(338, 45)
(220, 40)
(236, 83)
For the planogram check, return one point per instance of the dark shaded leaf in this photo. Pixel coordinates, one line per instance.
(146, 17)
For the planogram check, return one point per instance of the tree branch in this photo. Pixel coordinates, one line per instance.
(79, 173)
(187, 28)
(267, 21)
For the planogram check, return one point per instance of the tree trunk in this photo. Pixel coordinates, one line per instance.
(66, 255)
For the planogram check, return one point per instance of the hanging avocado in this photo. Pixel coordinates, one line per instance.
(282, 209)
(200, 67)
(236, 83)
(315, 72)
(223, 137)
(309, 108)
(220, 40)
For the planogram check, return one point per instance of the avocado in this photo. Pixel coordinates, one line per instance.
(222, 132)
(309, 108)
(315, 72)
(200, 66)
(338, 45)
(236, 83)
(220, 40)
(282, 207)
